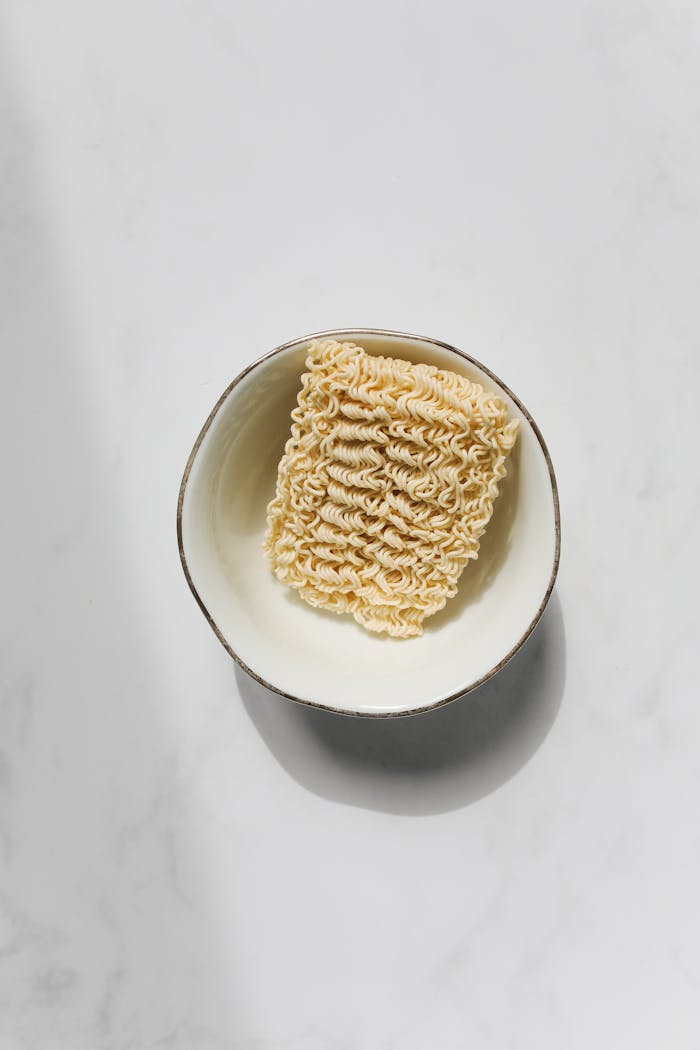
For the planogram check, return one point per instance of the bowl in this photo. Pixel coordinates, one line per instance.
(316, 657)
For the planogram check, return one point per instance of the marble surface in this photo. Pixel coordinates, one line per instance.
(187, 863)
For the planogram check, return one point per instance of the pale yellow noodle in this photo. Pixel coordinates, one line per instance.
(385, 486)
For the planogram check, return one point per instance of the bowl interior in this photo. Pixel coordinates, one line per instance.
(330, 660)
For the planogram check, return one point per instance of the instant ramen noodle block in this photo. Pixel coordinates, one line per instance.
(385, 486)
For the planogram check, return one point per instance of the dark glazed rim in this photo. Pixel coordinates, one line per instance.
(336, 333)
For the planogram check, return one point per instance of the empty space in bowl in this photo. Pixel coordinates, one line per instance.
(316, 655)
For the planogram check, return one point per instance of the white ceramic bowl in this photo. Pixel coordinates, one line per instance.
(329, 661)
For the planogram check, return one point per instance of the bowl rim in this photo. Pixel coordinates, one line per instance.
(335, 333)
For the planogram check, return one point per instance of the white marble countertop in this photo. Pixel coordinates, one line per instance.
(189, 864)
